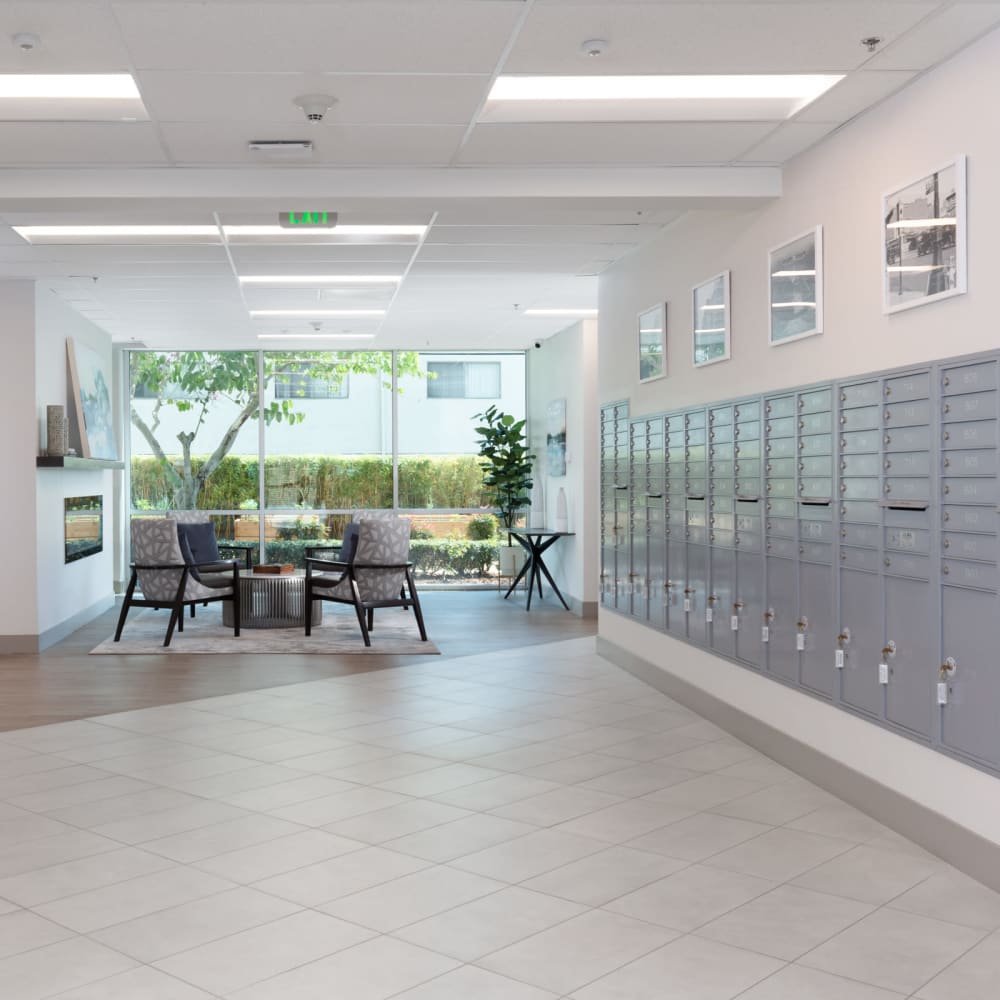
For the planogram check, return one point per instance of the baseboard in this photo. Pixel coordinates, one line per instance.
(59, 632)
(582, 609)
(12, 644)
(966, 849)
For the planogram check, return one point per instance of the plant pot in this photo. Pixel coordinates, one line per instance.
(511, 560)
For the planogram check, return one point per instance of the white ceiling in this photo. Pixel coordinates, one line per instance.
(520, 212)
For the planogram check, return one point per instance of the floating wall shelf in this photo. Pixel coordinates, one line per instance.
(75, 462)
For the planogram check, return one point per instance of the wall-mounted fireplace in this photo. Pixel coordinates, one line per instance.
(84, 519)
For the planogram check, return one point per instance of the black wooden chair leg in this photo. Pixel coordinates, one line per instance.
(371, 619)
(417, 611)
(192, 609)
(125, 606)
(176, 615)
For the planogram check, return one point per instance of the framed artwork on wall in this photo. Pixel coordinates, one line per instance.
(923, 239)
(653, 343)
(710, 309)
(90, 392)
(795, 274)
(555, 437)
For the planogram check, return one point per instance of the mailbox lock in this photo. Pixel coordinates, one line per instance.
(947, 436)
(947, 516)
(887, 464)
(712, 598)
(888, 390)
(888, 439)
(946, 408)
(946, 489)
(888, 415)
(843, 419)
(843, 488)
(948, 667)
(843, 466)
(887, 562)
(769, 616)
(802, 466)
(844, 638)
(843, 442)
(946, 543)
(690, 590)
(947, 462)
(802, 425)
(889, 649)
(802, 624)
(737, 606)
(946, 382)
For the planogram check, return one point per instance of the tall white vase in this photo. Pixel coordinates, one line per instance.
(562, 513)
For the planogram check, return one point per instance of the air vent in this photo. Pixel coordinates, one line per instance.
(281, 149)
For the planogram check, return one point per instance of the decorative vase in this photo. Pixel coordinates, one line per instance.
(511, 560)
(536, 514)
(562, 515)
(55, 430)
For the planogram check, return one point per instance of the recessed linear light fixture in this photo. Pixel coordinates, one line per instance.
(920, 223)
(793, 305)
(711, 329)
(68, 86)
(320, 279)
(745, 97)
(315, 336)
(663, 88)
(915, 268)
(43, 233)
(794, 274)
(559, 312)
(325, 233)
(316, 313)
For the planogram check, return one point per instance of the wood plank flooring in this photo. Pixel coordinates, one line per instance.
(65, 683)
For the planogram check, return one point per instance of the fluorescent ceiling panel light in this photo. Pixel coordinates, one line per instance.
(560, 312)
(662, 88)
(920, 223)
(315, 336)
(654, 98)
(713, 307)
(320, 279)
(68, 86)
(99, 234)
(712, 329)
(793, 305)
(794, 274)
(415, 231)
(317, 313)
(915, 268)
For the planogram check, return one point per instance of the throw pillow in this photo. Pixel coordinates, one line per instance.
(186, 554)
(201, 538)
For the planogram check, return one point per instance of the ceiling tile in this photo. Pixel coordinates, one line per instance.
(786, 141)
(708, 37)
(399, 99)
(79, 143)
(647, 143)
(378, 145)
(938, 37)
(368, 37)
(79, 37)
(856, 93)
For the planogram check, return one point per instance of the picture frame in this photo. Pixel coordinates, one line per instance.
(795, 283)
(924, 232)
(652, 341)
(555, 438)
(711, 327)
(90, 392)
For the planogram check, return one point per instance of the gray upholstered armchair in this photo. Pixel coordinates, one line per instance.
(167, 580)
(377, 575)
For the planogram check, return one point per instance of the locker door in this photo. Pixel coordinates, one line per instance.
(749, 593)
(970, 722)
(638, 472)
(861, 613)
(782, 599)
(657, 560)
(695, 592)
(909, 695)
(676, 582)
(723, 584)
(816, 610)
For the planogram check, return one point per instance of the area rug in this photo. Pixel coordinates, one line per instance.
(395, 634)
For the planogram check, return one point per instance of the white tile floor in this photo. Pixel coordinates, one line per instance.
(516, 826)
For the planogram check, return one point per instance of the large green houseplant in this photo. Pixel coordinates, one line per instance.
(507, 466)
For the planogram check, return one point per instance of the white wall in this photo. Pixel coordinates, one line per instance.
(18, 416)
(839, 185)
(565, 367)
(66, 591)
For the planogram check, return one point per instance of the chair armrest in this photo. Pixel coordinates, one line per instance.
(333, 564)
(228, 563)
(159, 566)
(247, 550)
(406, 565)
(310, 549)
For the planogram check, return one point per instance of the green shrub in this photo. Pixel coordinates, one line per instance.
(482, 527)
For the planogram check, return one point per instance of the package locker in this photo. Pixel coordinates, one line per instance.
(638, 570)
(970, 613)
(721, 531)
(696, 581)
(861, 632)
(747, 612)
(675, 507)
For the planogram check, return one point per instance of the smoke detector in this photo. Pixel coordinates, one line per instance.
(594, 47)
(315, 106)
(26, 41)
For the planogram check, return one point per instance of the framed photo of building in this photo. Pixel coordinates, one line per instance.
(924, 239)
(653, 343)
(711, 325)
(795, 275)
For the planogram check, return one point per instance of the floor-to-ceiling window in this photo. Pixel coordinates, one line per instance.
(280, 448)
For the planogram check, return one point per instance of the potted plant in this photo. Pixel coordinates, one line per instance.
(507, 465)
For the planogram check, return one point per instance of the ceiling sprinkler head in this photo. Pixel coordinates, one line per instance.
(25, 41)
(315, 106)
(594, 47)
(871, 43)
(316, 325)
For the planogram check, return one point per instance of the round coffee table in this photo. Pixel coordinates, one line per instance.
(272, 601)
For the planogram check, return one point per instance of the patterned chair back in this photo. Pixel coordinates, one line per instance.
(189, 516)
(154, 542)
(382, 540)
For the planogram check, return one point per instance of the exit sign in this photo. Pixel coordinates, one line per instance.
(307, 220)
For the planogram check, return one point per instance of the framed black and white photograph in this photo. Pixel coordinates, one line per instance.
(923, 239)
(653, 343)
(795, 273)
(710, 305)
